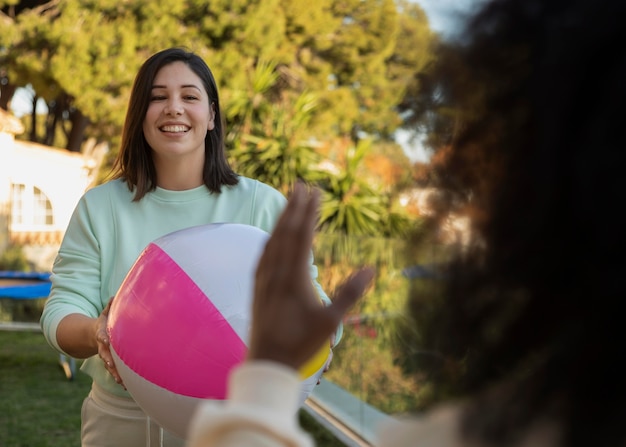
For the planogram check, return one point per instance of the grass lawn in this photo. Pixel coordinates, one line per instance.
(40, 407)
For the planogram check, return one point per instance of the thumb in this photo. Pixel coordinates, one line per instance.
(351, 291)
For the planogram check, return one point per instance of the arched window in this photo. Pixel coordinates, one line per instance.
(18, 194)
(30, 208)
(42, 208)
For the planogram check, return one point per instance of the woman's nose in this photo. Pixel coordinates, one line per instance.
(173, 107)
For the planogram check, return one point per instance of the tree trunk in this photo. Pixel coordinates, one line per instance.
(55, 111)
(33, 121)
(79, 124)
(6, 94)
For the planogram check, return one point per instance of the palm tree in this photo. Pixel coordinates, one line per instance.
(271, 142)
(245, 106)
(349, 203)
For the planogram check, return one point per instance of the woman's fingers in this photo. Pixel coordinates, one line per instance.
(104, 348)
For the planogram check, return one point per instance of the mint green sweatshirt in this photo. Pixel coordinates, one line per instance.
(108, 231)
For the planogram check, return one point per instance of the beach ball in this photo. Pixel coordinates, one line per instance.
(180, 320)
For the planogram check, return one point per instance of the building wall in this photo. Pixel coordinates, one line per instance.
(60, 175)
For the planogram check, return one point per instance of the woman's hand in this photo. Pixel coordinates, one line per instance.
(288, 323)
(104, 348)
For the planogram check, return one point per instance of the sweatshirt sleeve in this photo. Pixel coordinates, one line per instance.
(261, 410)
(75, 275)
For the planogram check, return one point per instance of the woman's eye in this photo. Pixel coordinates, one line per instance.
(191, 98)
(157, 98)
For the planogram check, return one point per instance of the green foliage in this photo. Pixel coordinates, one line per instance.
(352, 251)
(271, 141)
(13, 258)
(28, 311)
(367, 371)
(350, 204)
(351, 55)
(363, 362)
(59, 139)
(382, 357)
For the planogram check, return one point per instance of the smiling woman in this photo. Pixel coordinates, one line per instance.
(171, 174)
(173, 91)
(176, 123)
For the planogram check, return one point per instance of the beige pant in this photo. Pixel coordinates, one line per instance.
(112, 421)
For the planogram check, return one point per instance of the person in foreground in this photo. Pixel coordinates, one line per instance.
(171, 173)
(288, 328)
(527, 321)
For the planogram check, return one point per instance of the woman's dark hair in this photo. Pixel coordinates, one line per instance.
(534, 302)
(134, 162)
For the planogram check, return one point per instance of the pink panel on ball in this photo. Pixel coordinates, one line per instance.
(168, 331)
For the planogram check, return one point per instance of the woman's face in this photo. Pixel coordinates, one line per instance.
(179, 116)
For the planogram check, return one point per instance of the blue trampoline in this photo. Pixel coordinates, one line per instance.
(29, 286)
(24, 285)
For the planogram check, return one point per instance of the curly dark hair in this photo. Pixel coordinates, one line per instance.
(533, 302)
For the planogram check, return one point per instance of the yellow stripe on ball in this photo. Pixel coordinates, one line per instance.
(318, 360)
(315, 363)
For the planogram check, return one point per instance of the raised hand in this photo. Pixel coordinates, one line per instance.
(289, 324)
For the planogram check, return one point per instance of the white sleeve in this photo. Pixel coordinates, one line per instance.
(261, 410)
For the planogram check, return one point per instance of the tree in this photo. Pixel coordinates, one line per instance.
(81, 58)
(270, 141)
(7, 90)
(349, 54)
(350, 204)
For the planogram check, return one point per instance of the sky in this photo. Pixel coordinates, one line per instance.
(446, 18)
(21, 103)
